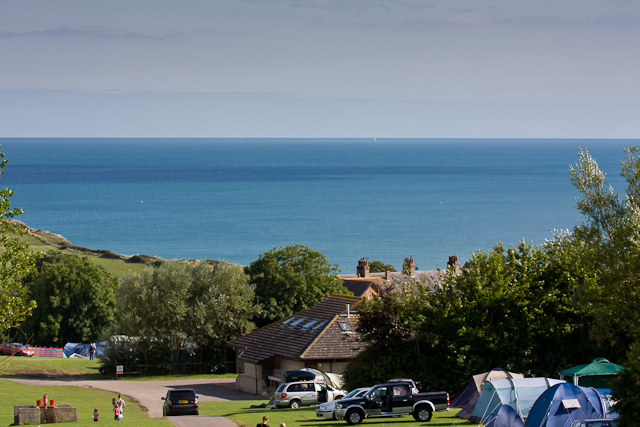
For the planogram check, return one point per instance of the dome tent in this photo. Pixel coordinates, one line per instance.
(596, 374)
(564, 403)
(504, 416)
(519, 393)
(467, 398)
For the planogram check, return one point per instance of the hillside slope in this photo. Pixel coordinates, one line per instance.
(115, 264)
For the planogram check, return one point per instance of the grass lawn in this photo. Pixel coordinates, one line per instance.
(244, 416)
(84, 399)
(10, 365)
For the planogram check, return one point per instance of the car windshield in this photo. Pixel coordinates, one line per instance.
(182, 394)
(352, 393)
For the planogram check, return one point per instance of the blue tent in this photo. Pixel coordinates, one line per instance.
(74, 349)
(519, 393)
(565, 403)
(504, 416)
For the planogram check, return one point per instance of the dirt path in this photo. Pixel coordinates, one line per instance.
(149, 394)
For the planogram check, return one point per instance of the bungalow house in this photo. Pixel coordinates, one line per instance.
(321, 337)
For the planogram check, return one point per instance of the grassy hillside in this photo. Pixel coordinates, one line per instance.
(115, 264)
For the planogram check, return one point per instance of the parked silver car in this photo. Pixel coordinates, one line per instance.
(325, 410)
(305, 393)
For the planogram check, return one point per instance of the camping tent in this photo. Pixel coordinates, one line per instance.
(564, 403)
(504, 416)
(519, 393)
(467, 398)
(74, 349)
(596, 374)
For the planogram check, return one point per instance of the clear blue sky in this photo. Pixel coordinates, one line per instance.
(320, 68)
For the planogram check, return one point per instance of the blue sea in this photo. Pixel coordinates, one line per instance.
(234, 199)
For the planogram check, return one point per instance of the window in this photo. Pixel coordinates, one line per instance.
(344, 326)
(318, 325)
(309, 324)
(297, 322)
(288, 320)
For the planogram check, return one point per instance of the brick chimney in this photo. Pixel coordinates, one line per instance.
(363, 268)
(454, 262)
(410, 267)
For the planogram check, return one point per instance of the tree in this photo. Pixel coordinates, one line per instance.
(176, 305)
(153, 307)
(291, 279)
(626, 389)
(16, 261)
(510, 307)
(379, 267)
(611, 230)
(221, 308)
(76, 300)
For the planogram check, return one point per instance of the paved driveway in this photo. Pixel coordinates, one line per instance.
(149, 393)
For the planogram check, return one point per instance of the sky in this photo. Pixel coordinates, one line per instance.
(320, 68)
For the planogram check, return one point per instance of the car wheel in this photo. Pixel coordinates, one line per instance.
(422, 413)
(197, 411)
(294, 404)
(354, 416)
(164, 411)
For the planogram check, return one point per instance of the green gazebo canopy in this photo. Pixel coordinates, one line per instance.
(596, 374)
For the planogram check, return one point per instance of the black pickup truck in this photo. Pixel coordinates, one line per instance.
(390, 400)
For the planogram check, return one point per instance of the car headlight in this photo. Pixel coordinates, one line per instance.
(338, 405)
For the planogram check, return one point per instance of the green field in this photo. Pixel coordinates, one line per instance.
(241, 413)
(84, 399)
(48, 366)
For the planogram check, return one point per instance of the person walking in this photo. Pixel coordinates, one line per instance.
(121, 403)
(92, 351)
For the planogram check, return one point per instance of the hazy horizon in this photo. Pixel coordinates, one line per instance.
(320, 69)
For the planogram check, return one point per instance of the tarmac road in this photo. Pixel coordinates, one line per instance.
(149, 394)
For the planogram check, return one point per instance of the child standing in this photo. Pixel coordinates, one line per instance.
(116, 412)
(95, 415)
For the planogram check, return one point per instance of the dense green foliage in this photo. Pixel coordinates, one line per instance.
(172, 308)
(16, 261)
(626, 388)
(611, 230)
(76, 300)
(291, 279)
(379, 267)
(511, 308)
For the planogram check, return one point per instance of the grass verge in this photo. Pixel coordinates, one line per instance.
(84, 399)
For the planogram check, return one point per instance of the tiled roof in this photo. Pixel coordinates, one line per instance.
(431, 278)
(337, 341)
(291, 337)
(359, 285)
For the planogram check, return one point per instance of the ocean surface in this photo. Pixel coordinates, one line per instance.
(235, 199)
